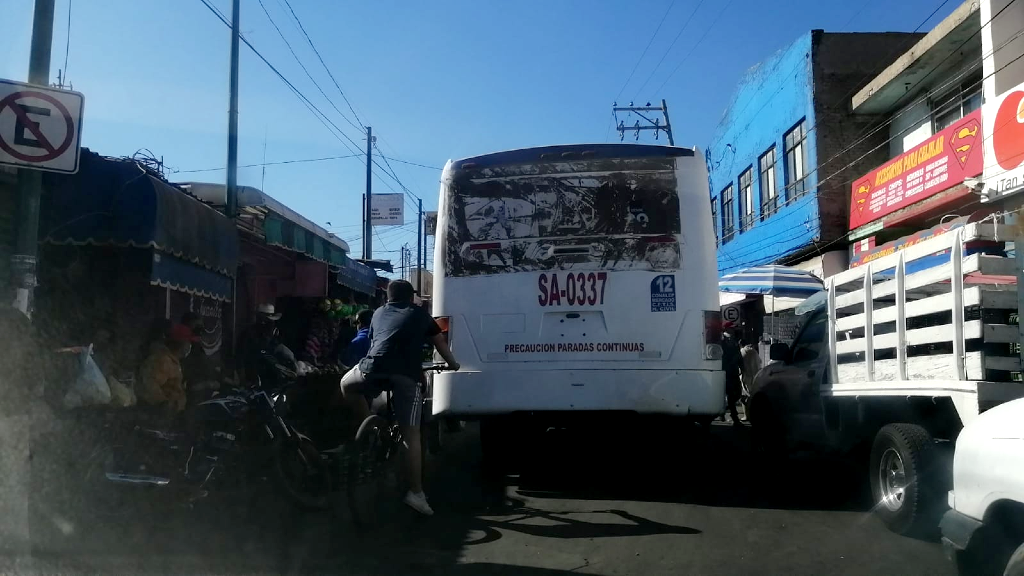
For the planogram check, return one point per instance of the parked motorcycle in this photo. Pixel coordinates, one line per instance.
(231, 436)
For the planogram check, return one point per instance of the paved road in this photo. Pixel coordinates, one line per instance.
(644, 502)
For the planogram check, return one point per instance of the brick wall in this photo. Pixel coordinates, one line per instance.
(842, 64)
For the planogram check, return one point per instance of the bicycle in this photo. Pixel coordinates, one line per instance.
(371, 476)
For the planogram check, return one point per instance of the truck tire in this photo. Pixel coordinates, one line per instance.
(1015, 567)
(902, 472)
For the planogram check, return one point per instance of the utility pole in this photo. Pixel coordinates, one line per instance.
(231, 200)
(419, 250)
(401, 260)
(425, 237)
(655, 124)
(368, 215)
(30, 182)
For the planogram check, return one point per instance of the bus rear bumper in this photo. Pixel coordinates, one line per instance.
(674, 392)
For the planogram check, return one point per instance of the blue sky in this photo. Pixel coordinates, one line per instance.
(436, 80)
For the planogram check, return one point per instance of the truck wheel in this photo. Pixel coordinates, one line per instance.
(1015, 567)
(902, 467)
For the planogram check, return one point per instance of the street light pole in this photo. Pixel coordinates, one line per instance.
(231, 201)
(368, 217)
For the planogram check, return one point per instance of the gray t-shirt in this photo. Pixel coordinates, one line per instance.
(398, 332)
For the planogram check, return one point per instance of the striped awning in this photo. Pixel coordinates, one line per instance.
(772, 280)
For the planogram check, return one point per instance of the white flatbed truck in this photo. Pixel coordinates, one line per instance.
(893, 361)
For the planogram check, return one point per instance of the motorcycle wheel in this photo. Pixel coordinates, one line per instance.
(301, 472)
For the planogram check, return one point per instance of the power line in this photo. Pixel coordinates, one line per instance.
(393, 175)
(693, 48)
(306, 70)
(322, 63)
(750, 248)
(858, 138)
(323, 118)
(669, 49)
(819, 167)
(67, 47)
(756, 246)
(802, 63)
(277, 163)
(393, 159)
(644, 53)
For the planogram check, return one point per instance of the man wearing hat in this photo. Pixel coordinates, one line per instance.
(259, 338)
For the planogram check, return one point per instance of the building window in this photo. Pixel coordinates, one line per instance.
(796, 161)
(766, 182)
(728, 214)
(746, 199)
(956, 103)
(714, 218)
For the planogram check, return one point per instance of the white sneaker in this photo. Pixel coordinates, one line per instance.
(418, 502)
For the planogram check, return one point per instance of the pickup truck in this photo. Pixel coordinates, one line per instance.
(890, 365)
(983, 531)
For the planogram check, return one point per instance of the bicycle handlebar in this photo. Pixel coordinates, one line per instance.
(437, 367)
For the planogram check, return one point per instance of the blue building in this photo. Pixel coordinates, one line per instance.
(782, 158)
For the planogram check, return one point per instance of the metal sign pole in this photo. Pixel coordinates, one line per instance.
(30, 182)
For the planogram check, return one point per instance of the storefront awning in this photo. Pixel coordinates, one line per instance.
(113, 202)
(291, 236)
(281, 225)
(178, 274)
(358, 276)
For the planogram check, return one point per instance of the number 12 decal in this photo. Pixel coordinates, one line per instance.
(664, 283)
(580, 289)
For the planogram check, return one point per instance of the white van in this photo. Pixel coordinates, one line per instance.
(578, 278)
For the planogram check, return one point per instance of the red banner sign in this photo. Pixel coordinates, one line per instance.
(938, 163)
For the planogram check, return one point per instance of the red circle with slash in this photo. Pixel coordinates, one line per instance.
(51, 151)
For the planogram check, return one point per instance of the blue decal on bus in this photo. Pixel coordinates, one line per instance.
(663, 293)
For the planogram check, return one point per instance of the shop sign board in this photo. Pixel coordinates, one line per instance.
(1004, 149)
(939, 163)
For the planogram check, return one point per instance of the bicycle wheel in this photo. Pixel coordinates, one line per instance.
(371, 479)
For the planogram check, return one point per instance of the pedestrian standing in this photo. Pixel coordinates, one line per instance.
(751, 365)
(732, 362)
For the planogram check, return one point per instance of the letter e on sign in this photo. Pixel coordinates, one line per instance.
(731, 314)
(40, 127)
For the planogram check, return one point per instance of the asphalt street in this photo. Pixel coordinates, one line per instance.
(618, 499)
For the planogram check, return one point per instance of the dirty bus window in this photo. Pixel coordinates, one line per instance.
(597, 216)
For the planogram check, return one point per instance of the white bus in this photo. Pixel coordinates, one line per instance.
(578, 278)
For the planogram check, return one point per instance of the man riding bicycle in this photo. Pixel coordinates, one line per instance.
(395, 362)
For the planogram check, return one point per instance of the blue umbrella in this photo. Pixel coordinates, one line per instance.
(776, 281)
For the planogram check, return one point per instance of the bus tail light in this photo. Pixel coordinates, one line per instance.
(482, 252)
(444, 323)
(713, 335)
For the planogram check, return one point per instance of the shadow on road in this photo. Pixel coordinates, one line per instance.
(262, 534)
(564, 525)
(718, 468)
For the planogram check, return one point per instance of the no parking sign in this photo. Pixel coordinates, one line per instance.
(40, 127)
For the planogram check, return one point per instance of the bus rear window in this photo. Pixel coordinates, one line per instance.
(524, 219)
